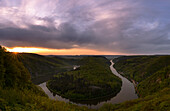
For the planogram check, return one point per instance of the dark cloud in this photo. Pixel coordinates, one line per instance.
(126, 26)
(40, 36)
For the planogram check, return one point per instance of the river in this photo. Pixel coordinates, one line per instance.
(126, 93)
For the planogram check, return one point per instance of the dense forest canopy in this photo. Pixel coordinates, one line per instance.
(93, 79)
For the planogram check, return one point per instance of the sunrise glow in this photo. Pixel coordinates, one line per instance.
(73, 51)
(24, 49)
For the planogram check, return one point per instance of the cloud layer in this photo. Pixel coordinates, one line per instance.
(125, 26)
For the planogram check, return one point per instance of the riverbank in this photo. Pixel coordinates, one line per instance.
(136, 88)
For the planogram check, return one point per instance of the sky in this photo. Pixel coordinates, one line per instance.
(65, 27)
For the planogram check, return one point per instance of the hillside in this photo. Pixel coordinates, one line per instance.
(42, 68)
(151, 72)
(141, 67)
(91, 81)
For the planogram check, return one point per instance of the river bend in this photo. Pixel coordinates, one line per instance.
(126, 93)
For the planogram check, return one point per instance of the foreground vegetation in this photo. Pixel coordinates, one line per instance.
(32, 100)
(92, 80)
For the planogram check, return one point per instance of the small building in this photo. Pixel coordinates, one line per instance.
(76, 67)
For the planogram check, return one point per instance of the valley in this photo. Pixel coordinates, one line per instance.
(93, 79)
(127, 92)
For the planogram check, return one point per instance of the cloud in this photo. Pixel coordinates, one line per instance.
(126, 26)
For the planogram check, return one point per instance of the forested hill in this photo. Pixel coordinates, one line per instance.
(141, 67)
(43, 68)
(151, 72)
(92, 80)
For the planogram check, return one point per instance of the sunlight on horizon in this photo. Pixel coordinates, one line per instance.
(24, 49)
(46, 51)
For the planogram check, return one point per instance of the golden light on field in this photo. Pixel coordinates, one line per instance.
(73, 51)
